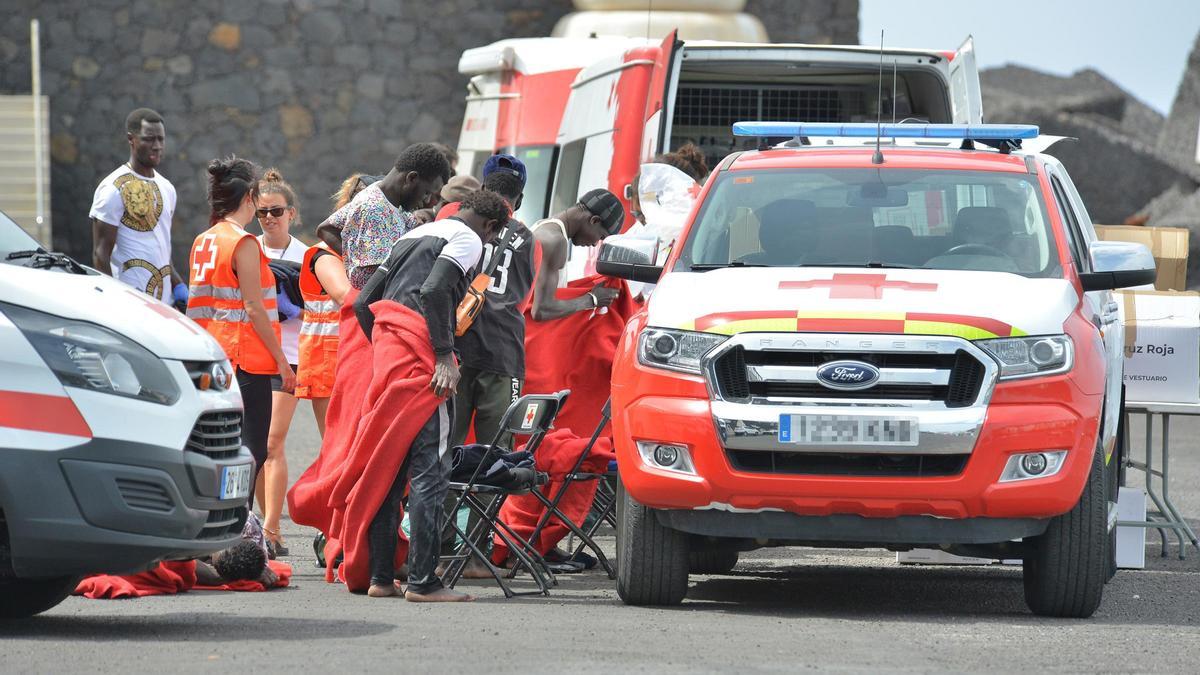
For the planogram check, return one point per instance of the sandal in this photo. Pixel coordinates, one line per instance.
(275, 545)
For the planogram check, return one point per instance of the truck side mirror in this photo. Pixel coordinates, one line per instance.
(1118, 264)
(629, 257)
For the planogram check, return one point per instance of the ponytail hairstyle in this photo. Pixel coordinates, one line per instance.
(345, 191)
(229, 181)
(272, 183)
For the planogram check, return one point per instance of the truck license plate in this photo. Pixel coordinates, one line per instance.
(235, 481)
(847, 430)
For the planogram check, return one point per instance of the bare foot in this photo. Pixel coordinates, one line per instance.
(440, 595)
(382, 591)
(476, 570)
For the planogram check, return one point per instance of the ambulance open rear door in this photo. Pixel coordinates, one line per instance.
(966, 98)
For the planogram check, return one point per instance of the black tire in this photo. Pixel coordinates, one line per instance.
(20, 598)
(1065, 568)
(712, 562)
(652, 560)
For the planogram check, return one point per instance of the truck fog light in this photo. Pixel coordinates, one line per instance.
(1026, 466)
(666, 456)
(1034, 464)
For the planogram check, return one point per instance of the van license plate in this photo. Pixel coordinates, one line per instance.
(847, 430)
(235, 481)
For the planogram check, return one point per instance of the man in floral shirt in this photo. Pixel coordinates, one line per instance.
(366, 229)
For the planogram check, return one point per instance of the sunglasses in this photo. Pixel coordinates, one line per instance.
(274, 211)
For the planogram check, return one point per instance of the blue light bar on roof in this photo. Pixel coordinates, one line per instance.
(868, 130)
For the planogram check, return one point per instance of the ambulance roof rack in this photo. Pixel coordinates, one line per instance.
(1003, 137)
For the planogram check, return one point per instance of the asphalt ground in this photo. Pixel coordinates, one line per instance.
(780, 610)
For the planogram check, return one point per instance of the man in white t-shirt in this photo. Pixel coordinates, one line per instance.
(132, 212)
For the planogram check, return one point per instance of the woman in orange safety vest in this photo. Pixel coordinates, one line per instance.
(323, 285)
(232, 295)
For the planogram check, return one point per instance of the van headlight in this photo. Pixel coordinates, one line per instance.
(88, 356)
(675, 349)
(1029, 356)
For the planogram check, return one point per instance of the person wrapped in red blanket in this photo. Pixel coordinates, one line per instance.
(408, 309)
(172, 577)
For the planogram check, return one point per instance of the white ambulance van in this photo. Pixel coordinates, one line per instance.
(120, 430)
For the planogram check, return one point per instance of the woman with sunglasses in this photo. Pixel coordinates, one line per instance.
(233, 297)
(277, 214)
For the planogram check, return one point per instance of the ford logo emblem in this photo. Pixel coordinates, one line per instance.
(847, 375)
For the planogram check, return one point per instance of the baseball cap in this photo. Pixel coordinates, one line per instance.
(602, 203)
(506, 163)
(458, 187)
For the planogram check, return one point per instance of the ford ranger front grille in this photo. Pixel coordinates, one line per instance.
(950, 378)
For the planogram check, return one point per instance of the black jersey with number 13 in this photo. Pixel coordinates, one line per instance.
(496, 340)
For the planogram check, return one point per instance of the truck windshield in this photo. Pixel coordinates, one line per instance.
(13, 238)
(930, 219)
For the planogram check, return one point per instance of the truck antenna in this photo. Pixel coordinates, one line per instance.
(877, 158)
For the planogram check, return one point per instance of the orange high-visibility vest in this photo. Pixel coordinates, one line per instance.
(318, 332)
(215, 298)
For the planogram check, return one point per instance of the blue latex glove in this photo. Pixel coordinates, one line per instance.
(180, 293)
(287, 310)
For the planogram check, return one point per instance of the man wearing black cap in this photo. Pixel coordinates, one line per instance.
(596, 215)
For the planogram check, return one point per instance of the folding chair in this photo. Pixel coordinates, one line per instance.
(531, 415)
(576, 475)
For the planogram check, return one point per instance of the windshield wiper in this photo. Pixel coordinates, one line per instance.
(872, 264)
(40, 259)
(704, 267)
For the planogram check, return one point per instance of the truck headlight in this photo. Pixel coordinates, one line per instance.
(1028, 356)
(88, 356)
(675, 349)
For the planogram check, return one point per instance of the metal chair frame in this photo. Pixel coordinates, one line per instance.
(516, 420)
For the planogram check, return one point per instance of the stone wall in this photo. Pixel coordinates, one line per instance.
(318, 88)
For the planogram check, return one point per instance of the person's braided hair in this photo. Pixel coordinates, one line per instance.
(426, 160)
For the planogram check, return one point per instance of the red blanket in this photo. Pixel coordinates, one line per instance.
(396, 404)
(556, 456)
(576, 353)
(168, 578)
(309, 500)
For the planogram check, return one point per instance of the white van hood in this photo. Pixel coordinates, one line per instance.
(973, 305)
(102, 300)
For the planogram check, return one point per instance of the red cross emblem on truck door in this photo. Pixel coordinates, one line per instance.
(857, 286)
(204, 259)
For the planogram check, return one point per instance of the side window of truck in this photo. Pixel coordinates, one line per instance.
(1070, 226)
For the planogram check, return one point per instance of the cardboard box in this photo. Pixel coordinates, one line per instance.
(1131, 541)
(1169, 245)
(1162, 345)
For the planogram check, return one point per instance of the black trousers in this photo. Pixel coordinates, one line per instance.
(426, 471)
(256, 420)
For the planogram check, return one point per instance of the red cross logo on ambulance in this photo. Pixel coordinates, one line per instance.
(530, 415)
(200, 266)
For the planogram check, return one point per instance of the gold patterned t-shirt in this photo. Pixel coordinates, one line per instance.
(141, 209)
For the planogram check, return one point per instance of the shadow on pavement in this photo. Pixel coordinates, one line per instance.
(186, 627)
(933, 594)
